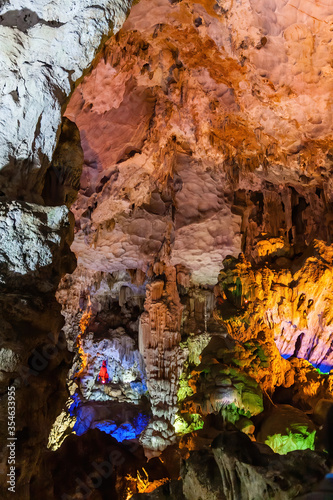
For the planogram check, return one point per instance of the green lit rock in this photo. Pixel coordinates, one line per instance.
(188, 422)
(233, 389)
(216, 387)
(233, 413)
(196, 344)
(287, 429)
(184, 390)
(245, 425)
(297, 439)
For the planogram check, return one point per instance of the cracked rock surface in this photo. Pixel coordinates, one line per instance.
(45, 47)
(196, 157)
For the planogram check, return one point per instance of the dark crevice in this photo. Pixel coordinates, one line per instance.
(25, 19)
(298, 344)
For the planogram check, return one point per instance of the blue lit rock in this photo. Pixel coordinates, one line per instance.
(79, 416)
(124, 431)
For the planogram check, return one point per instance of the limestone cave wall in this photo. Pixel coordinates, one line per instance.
(166, 259)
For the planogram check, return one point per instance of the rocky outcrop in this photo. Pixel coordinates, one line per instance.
(34, 358)
(156, 326)
(34, 239)
(159, 338)
(183, 128)
(237, 468)
(215, 385)
(205, 134)
(287, 429)
(292, 305)
(46, 46)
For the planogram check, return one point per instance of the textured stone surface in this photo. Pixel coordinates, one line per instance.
(159, 337)
(205, 131)
(286, 423)
(235, 468)
(46, 46)
(150, 315)
(124, 365)
(218, 386)
(215, 113)
(291, 305)
(33, 356)
(28, 234)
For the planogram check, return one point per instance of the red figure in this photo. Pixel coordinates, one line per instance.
(103, 374)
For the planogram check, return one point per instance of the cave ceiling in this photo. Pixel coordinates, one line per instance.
(166, 258)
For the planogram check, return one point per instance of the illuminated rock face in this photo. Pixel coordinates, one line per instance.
(159, 337)
(234, 467)
(45, 48)
(124, 365)
(206, 132)
(215, 147)
(293, 305)
(29, 234)
(287, 429)
(233, 459)
(202, 120)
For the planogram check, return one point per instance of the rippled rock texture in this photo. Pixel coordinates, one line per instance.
(218, 126)
(46, 46)
(203, 231)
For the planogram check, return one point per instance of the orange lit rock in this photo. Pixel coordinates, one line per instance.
(310, 385)
(206, 132)
(206, 102)
(289, 306)
(142, 484)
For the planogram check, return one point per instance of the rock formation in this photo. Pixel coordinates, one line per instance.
(291, 301)
(224, 471)
(186, 160)
(34, 358)
(46, 46)
(159, 338)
